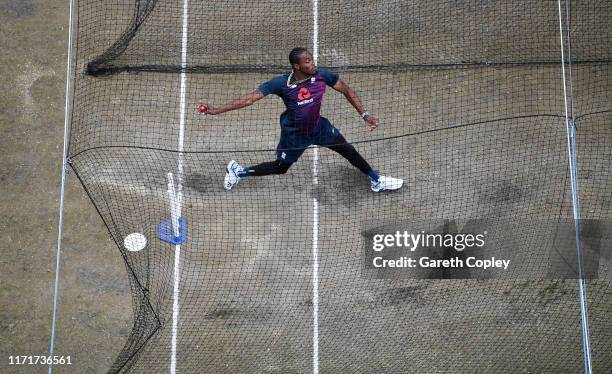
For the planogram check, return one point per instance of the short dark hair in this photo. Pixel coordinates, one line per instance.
(294, 55)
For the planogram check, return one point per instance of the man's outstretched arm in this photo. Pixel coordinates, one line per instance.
(352, 97)
(241, 102)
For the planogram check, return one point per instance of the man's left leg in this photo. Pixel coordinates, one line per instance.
(348, 151)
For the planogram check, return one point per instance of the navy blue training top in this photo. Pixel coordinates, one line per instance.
(302, 101)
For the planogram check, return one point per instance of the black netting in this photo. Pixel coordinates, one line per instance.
(471, 103)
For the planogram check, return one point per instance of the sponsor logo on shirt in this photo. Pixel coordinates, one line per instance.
(303, 94)
(305, 102)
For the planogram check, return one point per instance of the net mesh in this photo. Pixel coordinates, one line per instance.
(471, 104)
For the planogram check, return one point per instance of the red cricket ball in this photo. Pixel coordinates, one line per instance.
(202, 108)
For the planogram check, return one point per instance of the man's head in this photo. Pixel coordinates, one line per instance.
(301, 60)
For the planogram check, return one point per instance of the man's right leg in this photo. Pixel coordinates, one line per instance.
(267, 168)
(288, 151)
(235, 172)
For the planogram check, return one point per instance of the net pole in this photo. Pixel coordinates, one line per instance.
(179, 192)
(63, 183)
(315, 214)
(571, 149)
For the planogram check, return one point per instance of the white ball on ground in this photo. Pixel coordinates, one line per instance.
(134, 242)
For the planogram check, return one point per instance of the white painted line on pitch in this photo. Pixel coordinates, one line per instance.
(586, 344)
(315, 30)
(179, 193)
(315, 288)
(315, 215)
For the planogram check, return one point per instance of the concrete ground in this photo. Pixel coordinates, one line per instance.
(227, 314)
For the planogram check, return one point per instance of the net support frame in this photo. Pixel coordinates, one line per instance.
(67, 120)
(570, 128)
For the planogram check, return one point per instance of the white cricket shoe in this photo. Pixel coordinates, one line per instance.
(231, 177)
(386, 183)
